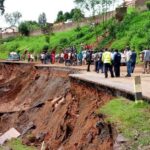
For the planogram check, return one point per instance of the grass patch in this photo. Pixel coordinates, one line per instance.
(16, 144)
(131, 119)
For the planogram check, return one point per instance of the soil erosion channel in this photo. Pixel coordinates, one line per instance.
(43, 104)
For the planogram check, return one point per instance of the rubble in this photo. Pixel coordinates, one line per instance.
(11, 133)
(30, 126)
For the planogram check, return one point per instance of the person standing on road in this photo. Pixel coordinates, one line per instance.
(101, 66)
(112, 57)
(117, 63)
(107, 60)
(42, 57)
(133, 60)
(80, 57)
(97, 62)
(53, 56)
(89, 59)
(128, 61)
(61, 57)
(146, 61)
(29, 56)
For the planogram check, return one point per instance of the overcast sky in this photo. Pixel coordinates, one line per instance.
(31, 9)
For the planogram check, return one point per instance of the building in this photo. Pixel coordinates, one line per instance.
(9, 32)
(12, 29)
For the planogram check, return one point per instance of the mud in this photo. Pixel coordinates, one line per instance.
(43, 105)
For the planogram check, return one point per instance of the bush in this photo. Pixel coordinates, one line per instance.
(78, 29)
(120, 43)
(105, 42)
(14, 47)
(9, 39)
(138, 43)
(112, 29)
(80, 35)
(45, 47)
(24, 29)
(148, 5)
(63, 41)
(47, 39)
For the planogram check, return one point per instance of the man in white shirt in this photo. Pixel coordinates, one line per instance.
(128, 61)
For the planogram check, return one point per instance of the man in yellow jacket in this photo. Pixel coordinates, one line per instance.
(107, 60)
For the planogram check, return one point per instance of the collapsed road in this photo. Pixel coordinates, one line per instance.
(44, 105)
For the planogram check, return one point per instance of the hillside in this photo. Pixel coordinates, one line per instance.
(134, 31)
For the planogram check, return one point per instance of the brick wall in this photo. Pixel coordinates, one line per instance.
(140, 2)
(7, 35)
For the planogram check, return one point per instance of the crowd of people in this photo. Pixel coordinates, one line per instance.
(110, 60)
(105, 60)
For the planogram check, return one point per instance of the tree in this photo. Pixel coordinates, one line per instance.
(105, 7)
(77, 17)
(72, 13)
(13, 18)
(27, 26)
(60, 17)
(42, 19)
(2, 6)
(89, 5)
(148, 5)
(94, 6)
(67, 16)
(33, 25)
(1, 13)
(24, 28)
(46, 28)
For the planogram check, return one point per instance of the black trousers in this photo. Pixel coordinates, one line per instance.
(117, 70)
(107, 67)
(133, 66)
(88, 67)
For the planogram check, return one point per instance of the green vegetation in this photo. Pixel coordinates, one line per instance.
(36, 43)
(132, 120)
(133, 31)
(27, 26)
(16, 144)
(62, 17)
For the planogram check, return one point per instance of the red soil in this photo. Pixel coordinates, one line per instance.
(63, 112)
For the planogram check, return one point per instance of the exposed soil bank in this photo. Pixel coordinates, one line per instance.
(43, 104)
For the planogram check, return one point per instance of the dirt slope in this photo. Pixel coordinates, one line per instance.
(44, 106)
